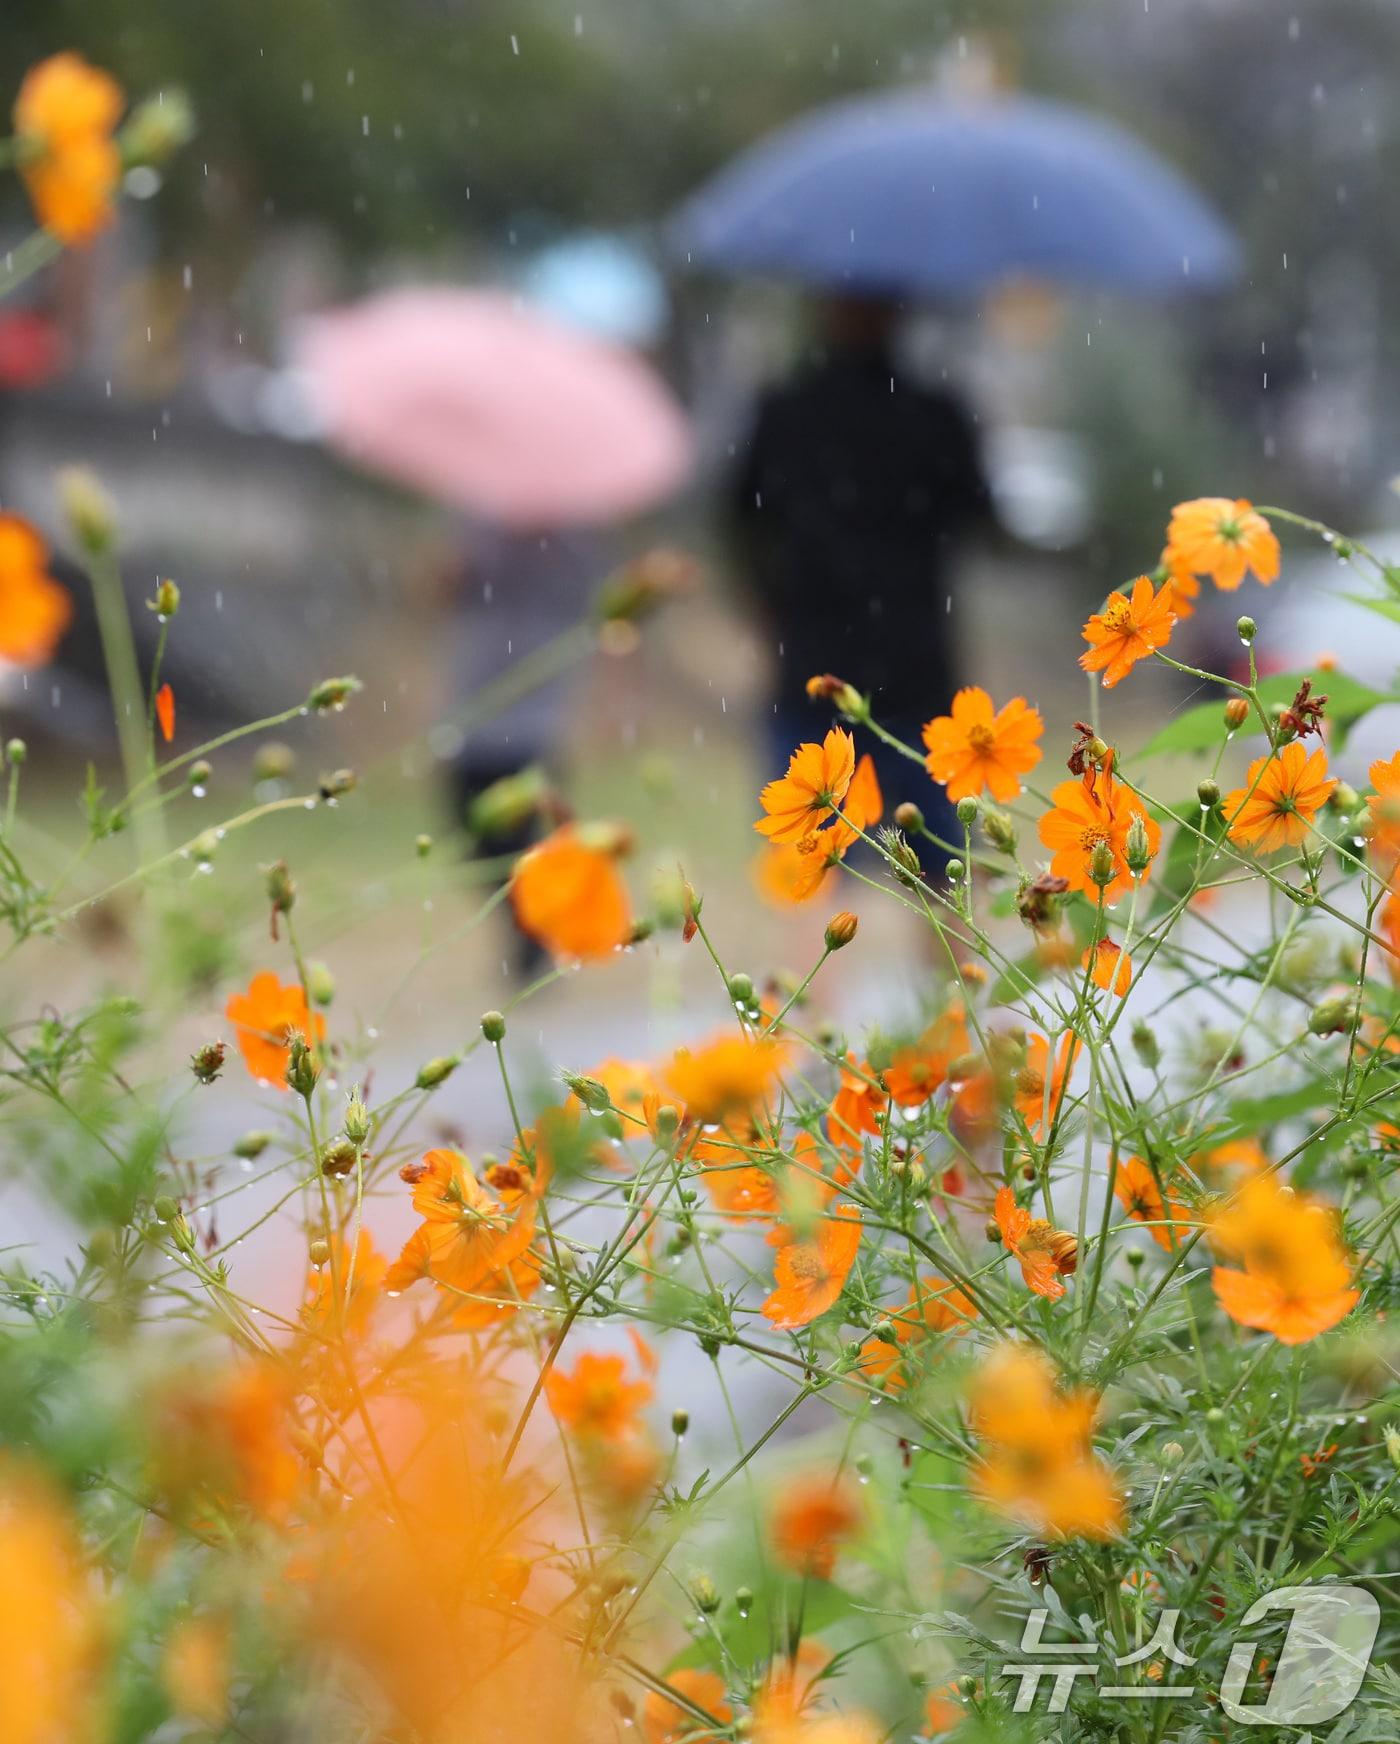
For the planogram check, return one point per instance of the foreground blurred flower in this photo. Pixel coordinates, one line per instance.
(729, 1076)
(65, 115)
(1296, 1281)
(787, 1706)
(195, 1670)
(813, 1518)
(596, 1399)
(569, 895)
(973, 749)
(344, 1288)
(1281, 796)
(1093, 811)
(222, 1438)
(818, 776)
(811, 1274)
(1141, 1197)
(667, 1722)
(1045, 1253)
(1038, 1462)
(265, 1019)
(34, 609)
(1128, 629)
(48, 1622)
(1222, 539)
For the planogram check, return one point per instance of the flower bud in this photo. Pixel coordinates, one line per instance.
(908, 816)
(166, 601)
(840, 930)
(507, 806)
(1208, 792)
(156, 129)
(1248, 629)
(252, 1145)
(999, 829)
(992, 1230)
(91, 515)
(332, 694)
(357, 1121)
(1146, 1046)
(15, 752)
(181, 1234)
(319, 1252)
(1136, 1258)
(1103, 868)
(592, 1093)
(968, 809)
(320, 983)
(704, 1594)
(1333, 1016)
(422, 846)
(1236, 713)
(680, 1421)
(338, 783)
(209, 1061)
(204, 847)
(955, 871)
(667, 1119)
(281, 890)
(302, 1071)
(166, 1209)
(906, 861)
(493, 1026)
(741, 988)
(1172, 1453)
(200, 773)
(273, 761)
(339, 1157)
(436, 1071)
(1392, 1444)
(1343, 798)
(1137, 849)
(885, 1331)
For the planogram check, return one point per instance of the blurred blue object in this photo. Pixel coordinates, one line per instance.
(908, 194)
(601, 284)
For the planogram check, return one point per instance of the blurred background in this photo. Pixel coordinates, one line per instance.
(542, 149)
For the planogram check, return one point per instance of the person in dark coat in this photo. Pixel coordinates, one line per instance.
(854, 493)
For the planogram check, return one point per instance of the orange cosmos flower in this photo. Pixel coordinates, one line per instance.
(1086, 812)
(916, 1072)
(1045, 1252)
(1281, 796)
(856, 1106)
(265, 1018)
(1236, 1153)
(597, 1400)
(667, 1722)
(814, 1517)
(34, 609)
(569, 896)
(1028, 1084)
(1383, 825)
(165, 712)
(1112, 967)
(793, 872)
(812, 1274)
(1039, 1464)
(1141, 1197)
(468, 1239)
(974, 749)
(730, 1076)
(1296, 1281)
(1128, 629)
(934, 1306)
(942, 1711)
(1181, 587)
(1222, 539)
(65, 115)
(743, 1192)
(815, 784)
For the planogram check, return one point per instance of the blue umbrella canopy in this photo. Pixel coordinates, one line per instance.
(907, 194)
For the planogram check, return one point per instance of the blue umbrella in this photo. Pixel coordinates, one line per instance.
(906, 194)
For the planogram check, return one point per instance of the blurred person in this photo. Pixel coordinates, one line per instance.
(853, 495)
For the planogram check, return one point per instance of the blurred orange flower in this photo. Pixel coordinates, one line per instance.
(195, 1670)
(265, 1018)
(1141, 1197)
(813, 1518)
(165, 712)
(328, 1286)
(569, 896)
(856, 1106)
(1222, 539)
(65, 115)
(1086, 812)
(1038, 1463)
(934, 1306)
(797, 804)
(1128, 629)
(1112, 967)
(597, 1400)
(916, 1072)
(974, 749)
(667, 1722)
(1181, 587)
(1296, 1280)
(811, 1274)
(1045, 1252)
(1383, 824)
(729, 1076)
(1036, 1106)
(1281, 796)
(34, 609)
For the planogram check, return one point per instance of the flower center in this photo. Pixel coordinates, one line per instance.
(1119, 619)
(982, 740)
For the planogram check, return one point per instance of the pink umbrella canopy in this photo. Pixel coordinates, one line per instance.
(471, 399)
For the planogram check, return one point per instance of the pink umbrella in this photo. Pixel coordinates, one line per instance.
(471, 399)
